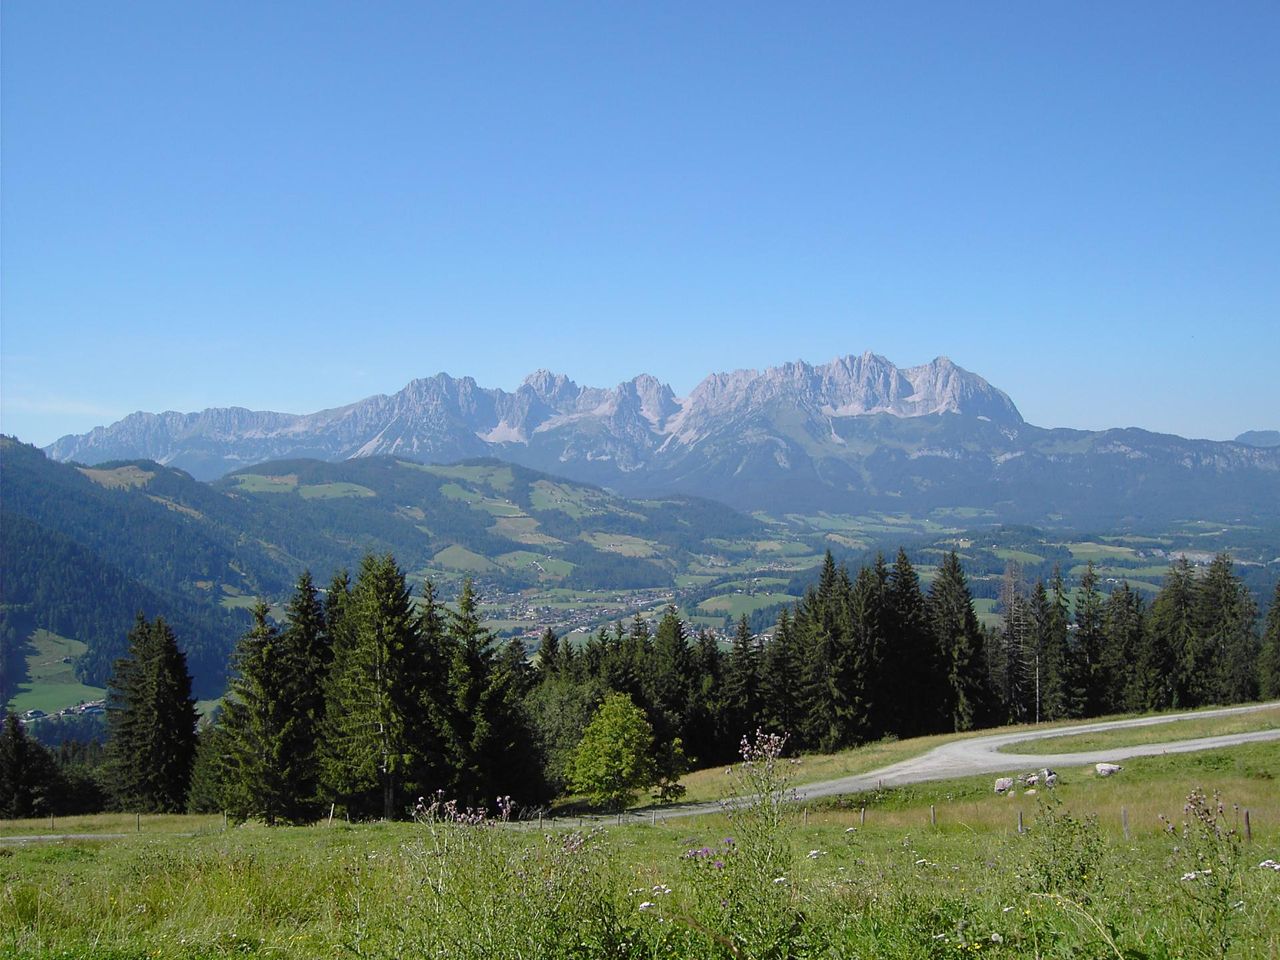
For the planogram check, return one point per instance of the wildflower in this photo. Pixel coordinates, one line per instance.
(1269, 865)
(661, 888)
(719, 865)
(648, 905)
(815, 854)
(779, 879)
(996, 938)
(851, 830)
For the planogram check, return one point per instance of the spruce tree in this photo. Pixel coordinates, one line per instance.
(373, 691)
(1269, 657)
(1123, 630)
(267, 733)
(151, 722)
(469, 690)
(741, 685)
(1228, 635)
(914, 678)
(29, 781)
(1171, 656)
(960, 643)
(1087, 646)
(779, 679)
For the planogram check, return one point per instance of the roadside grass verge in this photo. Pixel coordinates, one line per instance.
(818, 884)
(1192, 729)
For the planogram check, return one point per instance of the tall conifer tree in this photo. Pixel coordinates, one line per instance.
(960, 642)
(151, 722)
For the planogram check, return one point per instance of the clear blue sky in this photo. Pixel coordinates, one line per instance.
(290, 206)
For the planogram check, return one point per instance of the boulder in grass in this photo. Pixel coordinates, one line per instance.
(1107, 769)
(1004, 785)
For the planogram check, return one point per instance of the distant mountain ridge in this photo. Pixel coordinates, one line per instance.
(849, 436)
(443, 418)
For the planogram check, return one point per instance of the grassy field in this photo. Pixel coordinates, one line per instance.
(735, 605)
(334, 491)
(1193, 729)
(51, 682)
(770, 882)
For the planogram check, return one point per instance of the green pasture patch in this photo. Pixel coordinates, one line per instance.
(334, 491)
(521, 530)
(735, 605)
(458, 557)
(497, 477)
(239, 602)
(518, 559)
(51, 682)
(455, 491)
(622, 544)
(1100, 551)
(256, 483)
(686, 580)
(984, 607)
(118, 478)
(1018, 556)
(1156, 571)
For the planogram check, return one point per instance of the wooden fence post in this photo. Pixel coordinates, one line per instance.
(1248, 827)
(1124, 821)
(933, 815)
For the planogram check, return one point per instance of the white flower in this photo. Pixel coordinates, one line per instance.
(996, 938)
(921, 862)
(779, 879)
(851, 830)
(648, 905)
(1189, 876)
(815, 854)
(661, 888)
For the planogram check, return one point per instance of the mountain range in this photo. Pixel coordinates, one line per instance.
(854, 435)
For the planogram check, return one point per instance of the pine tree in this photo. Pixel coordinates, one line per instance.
(549, 656)
(305, 641)
(470, 731)
(151, 722)
(1170, 643)
(1087, 646)
(29, 781)
(741, 685)
(914, 678)
(267, 732)
(1054, 648)
(374, 689)
(779, 679)
(960, 642)
(1227, 635)
(1123, 631)
(1269, 657)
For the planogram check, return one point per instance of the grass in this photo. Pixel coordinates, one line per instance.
(460, 558)
(1018, 556)
(1192, 729)
(334, 491)
(813, 883)
(1100, 551)
(735, 605)
(256, 483)
(119, 478)
(51, 682)
(622, 544)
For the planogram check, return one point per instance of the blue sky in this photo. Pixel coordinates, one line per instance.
(291, 206)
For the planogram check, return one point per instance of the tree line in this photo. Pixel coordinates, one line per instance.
(363, 698)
